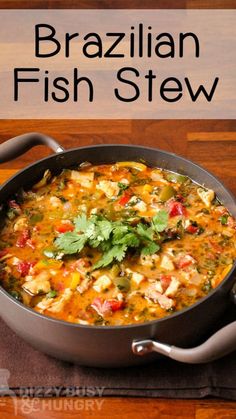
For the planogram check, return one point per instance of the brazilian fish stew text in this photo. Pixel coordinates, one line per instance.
(114, 244)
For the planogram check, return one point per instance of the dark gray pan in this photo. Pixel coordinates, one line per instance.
(114, 346)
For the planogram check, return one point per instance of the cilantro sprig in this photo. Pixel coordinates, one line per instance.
(113, 238)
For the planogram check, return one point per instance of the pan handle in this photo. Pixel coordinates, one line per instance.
(16, 146)
(217, 346)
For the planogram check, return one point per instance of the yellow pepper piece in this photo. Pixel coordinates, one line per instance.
(42, 264)
(133, 164)
(75, 280)
(147, 188)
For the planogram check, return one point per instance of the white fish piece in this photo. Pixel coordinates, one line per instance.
(166, 263)
(84, 178)
(138, 204)
(38, 284)
(55, 202)
(149, 260)
(102, 283)
(110, 188)
(157, 176)
(173, 287)
(206, 195)
(136, 277)
(59, 304)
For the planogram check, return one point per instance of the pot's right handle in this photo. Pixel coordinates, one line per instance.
(220, 344)
(19, 145)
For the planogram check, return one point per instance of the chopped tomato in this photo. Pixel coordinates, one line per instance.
(115, 304)
(23, 267)
(165, 281)
(64, 227)
(176, 208)
(124, 199)
(185, 261)
(24, 237)
(191, 229)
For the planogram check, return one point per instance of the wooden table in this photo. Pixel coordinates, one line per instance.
(210, 143)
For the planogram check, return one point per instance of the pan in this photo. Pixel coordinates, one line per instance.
(174, 336)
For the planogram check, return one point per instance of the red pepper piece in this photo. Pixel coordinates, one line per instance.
(64, 228)
(192, 229)
(165, 281)
(176, 208)
(22, 240)
(124, 199)
(115, 304)
(24, 267)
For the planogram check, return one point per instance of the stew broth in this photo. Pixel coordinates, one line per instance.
(115, 244)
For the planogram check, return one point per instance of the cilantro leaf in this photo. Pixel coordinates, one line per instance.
(123, 186)
(119, 230)
(159, 221)
(145, 231)
(105, 227)
(150, 249)
(112, 238)
(116, 252)
(71, 242)
(81, 223)
(129, 239)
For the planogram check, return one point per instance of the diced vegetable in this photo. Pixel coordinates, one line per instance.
(63, 227)
(124, 199)
(133, 165)
(167, 192)
(176, 178)
(176, 208)
(122, 283)
(75, 280)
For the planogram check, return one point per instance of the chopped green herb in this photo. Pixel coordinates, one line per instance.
(159, 221)
(123, 186)
(51, 294)
(224, 219)
(112, 238)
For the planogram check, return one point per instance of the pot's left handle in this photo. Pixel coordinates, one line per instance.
(16, 146)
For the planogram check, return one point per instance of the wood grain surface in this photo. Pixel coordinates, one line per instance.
(210, 143)
(118, 408)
